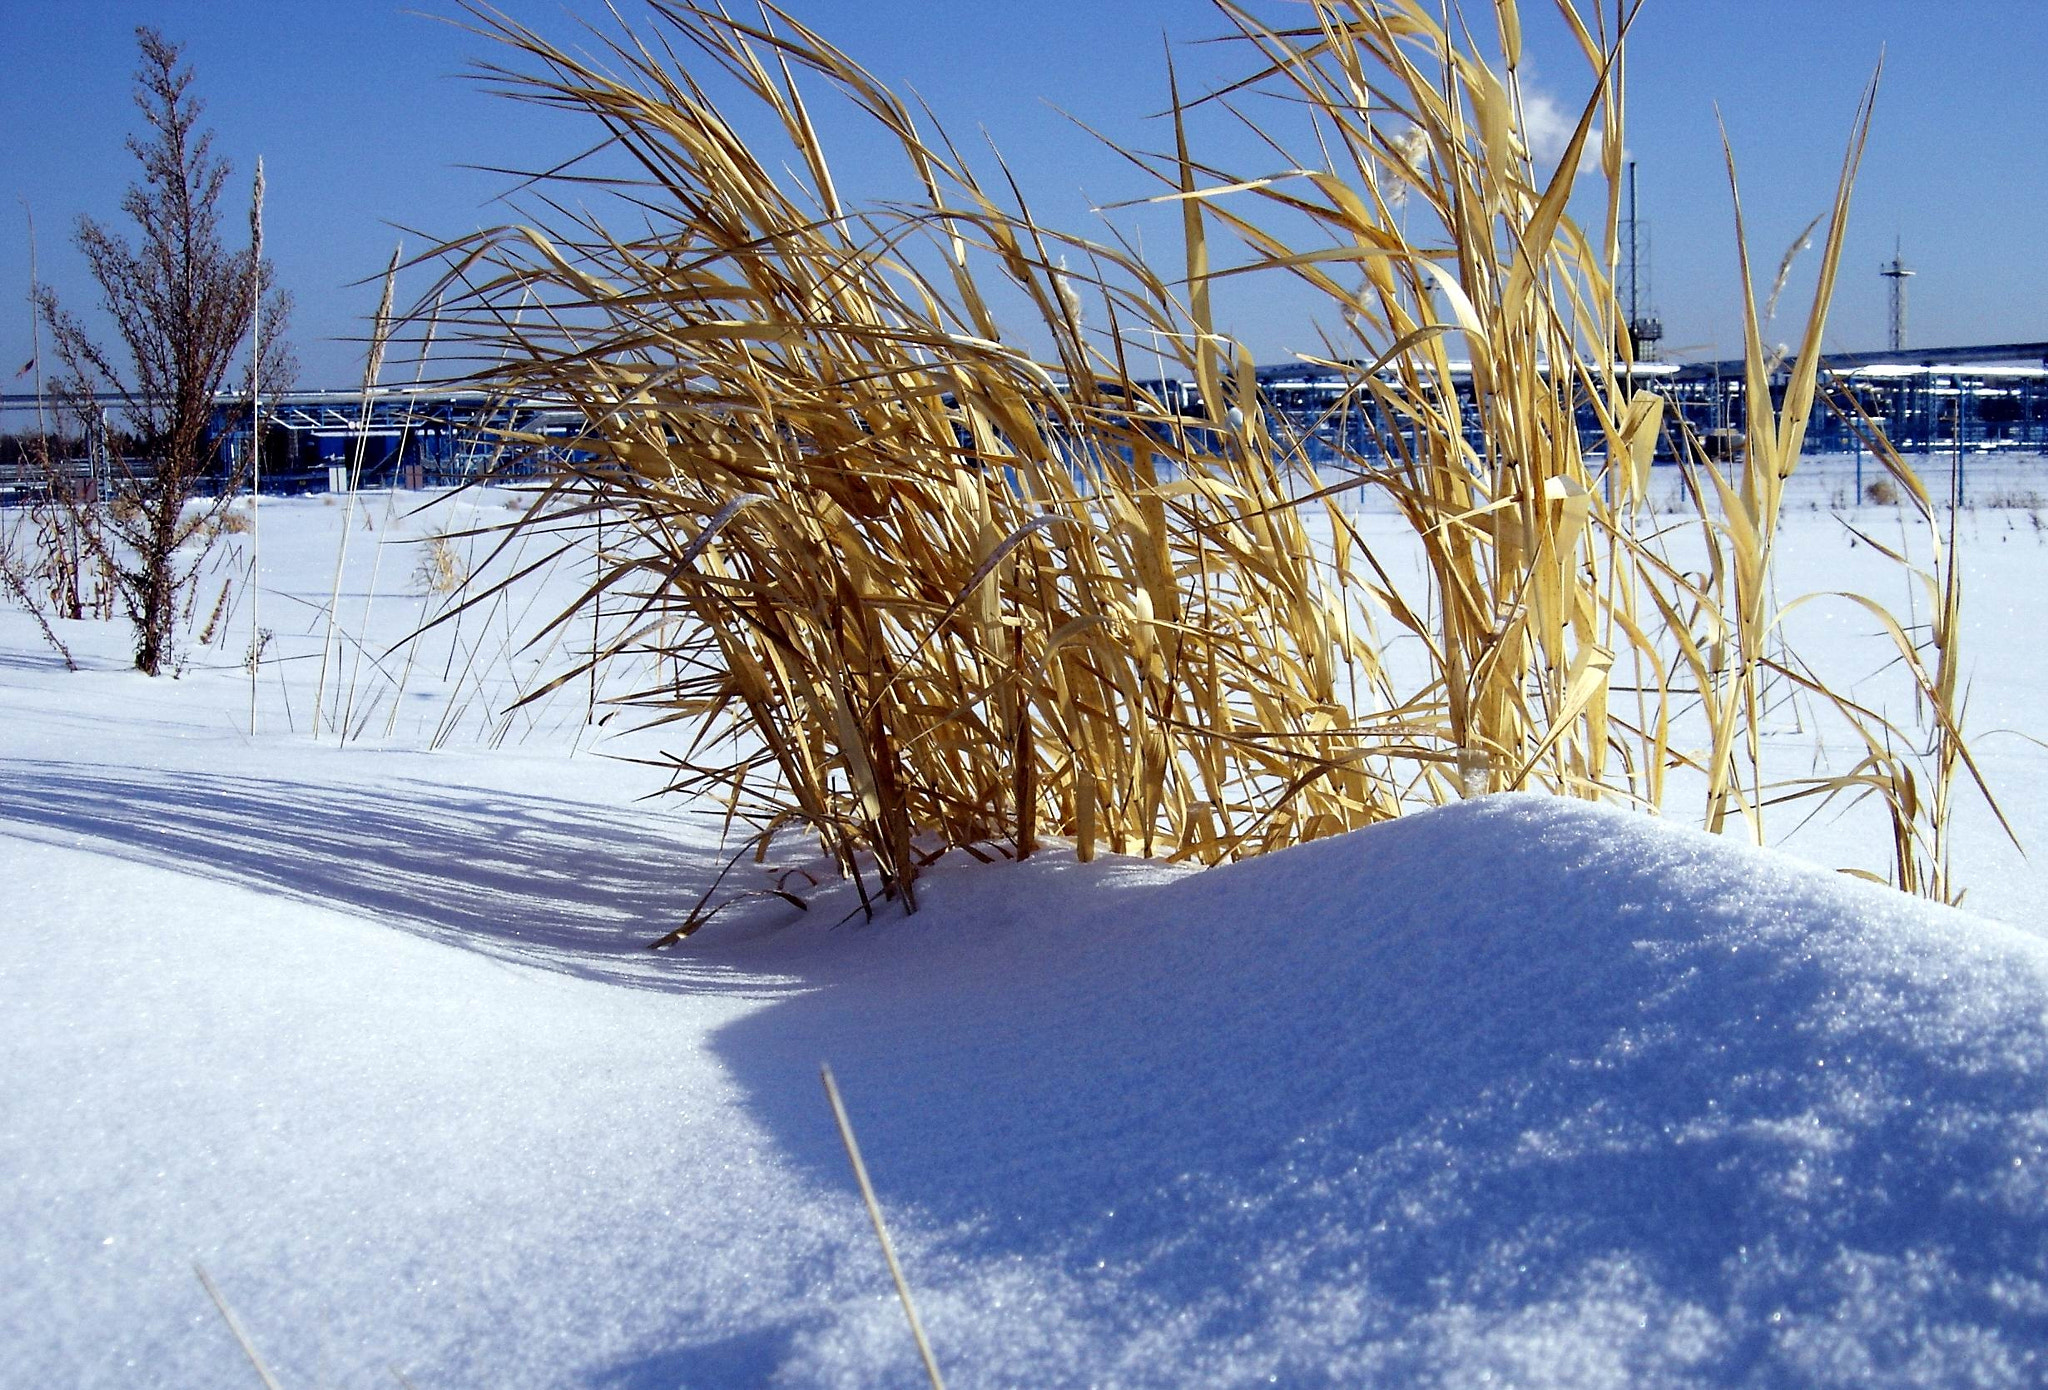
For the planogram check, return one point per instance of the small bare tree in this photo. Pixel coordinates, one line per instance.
(179, 302)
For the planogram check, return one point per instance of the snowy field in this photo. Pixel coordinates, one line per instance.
(1518, 1092)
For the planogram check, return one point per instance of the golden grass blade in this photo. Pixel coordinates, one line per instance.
(867, 1195)
(235, 1327)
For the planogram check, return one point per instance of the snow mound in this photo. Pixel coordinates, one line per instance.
(1519, 1088)
(1521, 1091)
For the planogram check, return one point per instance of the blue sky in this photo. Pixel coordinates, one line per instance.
(364, 120)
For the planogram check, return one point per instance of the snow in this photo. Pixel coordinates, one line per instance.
(1520, 1091)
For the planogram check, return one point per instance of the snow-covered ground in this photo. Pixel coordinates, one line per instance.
(1518, 1092)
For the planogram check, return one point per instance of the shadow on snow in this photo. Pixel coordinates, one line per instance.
(550, 883)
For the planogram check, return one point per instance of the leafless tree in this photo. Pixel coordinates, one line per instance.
(179, 304)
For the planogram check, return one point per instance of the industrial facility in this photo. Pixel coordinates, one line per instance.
(1972, 397)
(1968, 397)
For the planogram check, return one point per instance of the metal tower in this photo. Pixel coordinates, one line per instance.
(1644, 330)
(1897, 272)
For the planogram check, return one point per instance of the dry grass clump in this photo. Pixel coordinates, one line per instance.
(229, 523)
(927, 589)
(440, 568)
(922, 588)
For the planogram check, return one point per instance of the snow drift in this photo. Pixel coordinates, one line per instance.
(1520, 1088)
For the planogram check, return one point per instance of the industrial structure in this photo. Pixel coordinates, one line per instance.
(1988, 396)
(1974, 397)
(397, 435)
(1645, 329)
(1896, 272)
(322, 441)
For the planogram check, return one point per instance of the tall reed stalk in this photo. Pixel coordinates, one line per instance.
(373, 365)
(255, 439)
(377, 558)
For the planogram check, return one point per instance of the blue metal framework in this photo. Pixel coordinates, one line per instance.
(1945, 399)
(1993, 396)
(317, 440)
(403, 436)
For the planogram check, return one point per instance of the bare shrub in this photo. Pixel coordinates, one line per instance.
(180, 303)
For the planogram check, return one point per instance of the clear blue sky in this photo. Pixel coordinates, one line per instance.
(363, 120)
